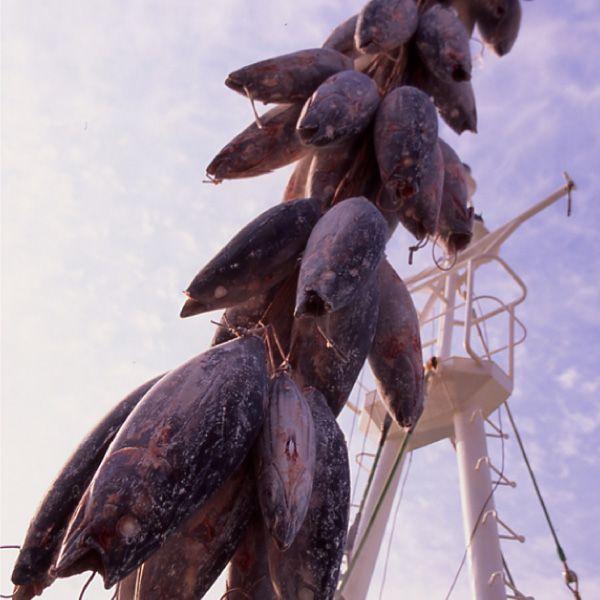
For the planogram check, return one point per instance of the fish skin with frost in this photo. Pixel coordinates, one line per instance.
(47, 528)
(384, 25)
(333, 370)
(501, 32)
(179, 445)
(405, 135)
(395, 356)
(285, 460)
(258, 257)
(455, 228)
(443, 44)
(288, 78)
(342, 252)
(340, 109)
(260, 150)
(310, 567)
(455, 101)
(192, 558)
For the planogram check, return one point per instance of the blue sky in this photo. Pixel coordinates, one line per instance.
(110, 113)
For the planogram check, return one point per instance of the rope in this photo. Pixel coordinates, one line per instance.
(478, 520)
(389, 547)
(387, 422)
(570, 577)
(9, 547)
(86, 585)
(376, 510)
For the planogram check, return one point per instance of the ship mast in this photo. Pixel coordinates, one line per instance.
(467, 382)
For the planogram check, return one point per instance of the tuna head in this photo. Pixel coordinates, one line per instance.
(385, 24)
(110, 527)
(342, 252)
(405, 135)
(455, 227)
(286, 461)
(443, 43)
(340, 109)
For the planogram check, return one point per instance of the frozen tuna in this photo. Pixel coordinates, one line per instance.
(248, 577)
(329, 352)
(288, 78)
(420, 213)
(395, 356)
(342, 252)
(187, 436)
(405, 138)
(342, 38)
(285, 460)
(259, 150)
(500, 30)
(443, 43)
(48, 526)
(310, 567)
(455, 101)
(262, 254)
(340, 109)
(455, 227)
(192, 558)
(384, 25)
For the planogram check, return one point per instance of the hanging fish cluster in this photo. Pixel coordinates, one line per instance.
(235, 457)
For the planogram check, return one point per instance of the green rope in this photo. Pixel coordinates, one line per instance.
(559, 550)
(570, 576)
(387, 422)
(380, 500)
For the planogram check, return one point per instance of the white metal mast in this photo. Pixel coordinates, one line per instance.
(462, 392)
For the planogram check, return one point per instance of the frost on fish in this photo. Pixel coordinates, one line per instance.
(342, 252)
(455, 228)
(288, 78)
(285, 460)
(259, 150)
(329, 352)
(187, 436)
(443, 43)
(340, 109)
(384, 25)
(309, 568)
(262, 254)
(47, 528)
(405, 136)
(395, 356)
(192, 558)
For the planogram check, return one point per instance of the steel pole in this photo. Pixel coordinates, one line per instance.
(477, 500)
